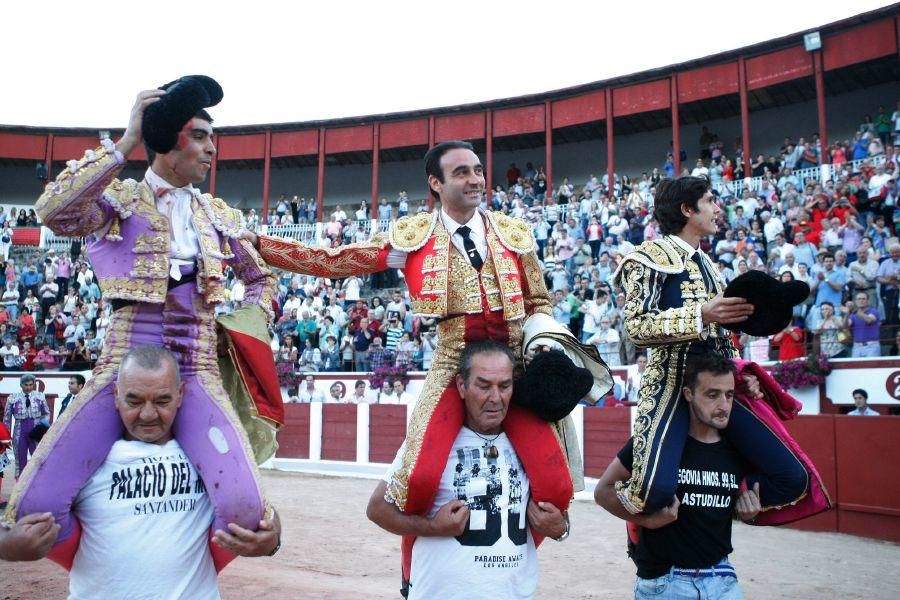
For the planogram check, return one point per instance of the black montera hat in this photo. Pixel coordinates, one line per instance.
(773, 302)
(184, 98)
(552, 386)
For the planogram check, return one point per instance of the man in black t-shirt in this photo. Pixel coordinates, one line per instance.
(682, 550)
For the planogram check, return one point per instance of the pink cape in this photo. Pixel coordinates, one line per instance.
(776, 406)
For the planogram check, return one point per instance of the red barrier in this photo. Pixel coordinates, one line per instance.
(51, 402)
(868, 487)
(387, 430)
(339, 432)
(606, 430)
(293, 437)
(815, 434)
(855, 456)
(26, 236)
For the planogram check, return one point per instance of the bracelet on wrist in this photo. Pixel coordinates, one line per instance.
(276, 548)
(565, 533)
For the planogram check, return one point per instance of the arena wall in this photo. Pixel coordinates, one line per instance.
(349, 184)
(855, 456)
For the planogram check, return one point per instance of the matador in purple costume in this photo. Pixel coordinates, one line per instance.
(158, 247)
(27, 407)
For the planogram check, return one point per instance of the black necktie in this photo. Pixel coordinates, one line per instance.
(469, 245)
(707, 279)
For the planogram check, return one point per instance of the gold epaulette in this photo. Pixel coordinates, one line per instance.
(122, 194)
(412, 232)
(513, 233)
(125, 189)
(231, 217)
(660, 255)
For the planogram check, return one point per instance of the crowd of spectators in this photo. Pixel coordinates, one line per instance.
(52, 314)
(302, 211)
(838, 235)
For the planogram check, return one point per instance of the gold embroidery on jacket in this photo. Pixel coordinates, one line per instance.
(146, 244)
(155, 267)
(351, 259)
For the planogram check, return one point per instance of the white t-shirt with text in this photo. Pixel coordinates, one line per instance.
(495, 557)
(145, 519)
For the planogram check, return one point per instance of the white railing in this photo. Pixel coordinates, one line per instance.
(311, 232)
(821, 174)
(57, 242)
(304, 232)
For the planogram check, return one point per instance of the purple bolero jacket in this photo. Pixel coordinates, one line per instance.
(128, 238)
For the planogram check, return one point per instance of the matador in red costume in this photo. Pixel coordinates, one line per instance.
(477, 273)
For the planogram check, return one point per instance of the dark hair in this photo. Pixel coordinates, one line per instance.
(671, 194)
(481, 347)
(149, 357)
(861, 392)
(359, 382)
(200, 114)
(706, 363)
(433, 159)
(79, 379)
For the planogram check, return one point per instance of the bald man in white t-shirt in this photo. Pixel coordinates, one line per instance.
(145, 515)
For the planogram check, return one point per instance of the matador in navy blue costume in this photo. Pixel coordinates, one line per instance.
(674, 307)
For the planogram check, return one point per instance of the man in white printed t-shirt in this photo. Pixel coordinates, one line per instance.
(476, 541)
(144, 514)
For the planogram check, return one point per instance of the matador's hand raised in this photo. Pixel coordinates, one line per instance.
(133, 134)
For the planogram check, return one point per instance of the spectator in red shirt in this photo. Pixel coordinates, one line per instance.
(790, 341)
(357, 313)
(811, 234)
(840, 209)
(819, 210)
(27, 356)
(513, 174)
(838, 156)
(26, 328)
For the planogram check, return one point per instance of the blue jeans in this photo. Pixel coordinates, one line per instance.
(684, 587)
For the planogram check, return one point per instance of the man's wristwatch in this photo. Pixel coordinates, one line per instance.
(565, 533)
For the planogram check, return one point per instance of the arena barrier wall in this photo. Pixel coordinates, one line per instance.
(856, 456)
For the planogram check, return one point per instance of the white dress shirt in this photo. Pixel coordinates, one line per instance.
(478, 233)
(175, 203)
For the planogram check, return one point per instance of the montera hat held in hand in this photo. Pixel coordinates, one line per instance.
(773, 302)
(184, 98)
(552, 385)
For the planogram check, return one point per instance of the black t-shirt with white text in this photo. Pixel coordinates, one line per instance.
(709, 478)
